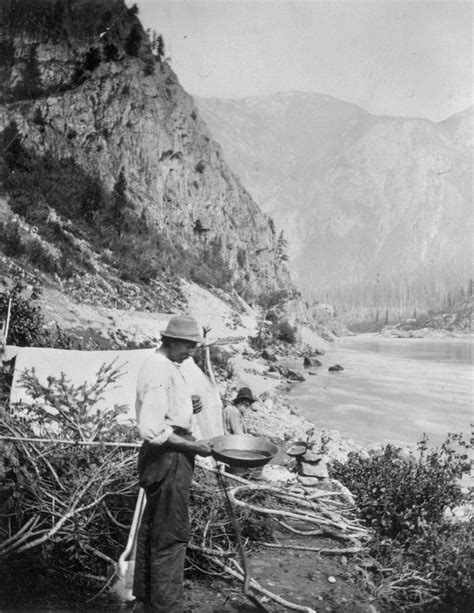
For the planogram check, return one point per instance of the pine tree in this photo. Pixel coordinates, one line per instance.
(133, 42)
(92, 200)
(30, 86)
(12, 148)
(160, 51)
(119, 204)
(282, 245)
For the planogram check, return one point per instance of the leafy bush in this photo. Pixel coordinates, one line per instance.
(284, 331)
(92, 59)
(274, 299)
(399, 496)
(446, 555)
(42, 257)
(26, 319)
(272, 326)
(10, 236)
(27, 324)
(209, 267)
(403, 498)
(241, 257)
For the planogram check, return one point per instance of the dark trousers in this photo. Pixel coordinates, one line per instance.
(164, 529)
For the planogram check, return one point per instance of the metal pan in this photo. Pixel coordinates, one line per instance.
(242, 450)
(297, 449)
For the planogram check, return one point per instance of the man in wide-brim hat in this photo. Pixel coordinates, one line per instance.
(164, 410)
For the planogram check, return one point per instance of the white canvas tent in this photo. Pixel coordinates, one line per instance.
(81, 366)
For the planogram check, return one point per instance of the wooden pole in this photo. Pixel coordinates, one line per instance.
(57, 441)
(5, 327)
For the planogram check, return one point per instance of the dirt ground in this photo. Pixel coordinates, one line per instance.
(321, 582)
(325, 583)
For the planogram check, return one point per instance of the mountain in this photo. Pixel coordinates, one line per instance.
(108, 173)
(377, 210)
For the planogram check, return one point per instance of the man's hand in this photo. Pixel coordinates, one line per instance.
(201, 448)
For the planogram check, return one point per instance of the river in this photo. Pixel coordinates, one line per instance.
(391, 390)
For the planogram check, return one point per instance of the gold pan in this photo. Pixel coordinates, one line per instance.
(243, 450)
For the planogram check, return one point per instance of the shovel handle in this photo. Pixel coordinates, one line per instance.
(132, 537)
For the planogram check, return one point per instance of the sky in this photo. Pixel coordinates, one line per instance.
(391, 57)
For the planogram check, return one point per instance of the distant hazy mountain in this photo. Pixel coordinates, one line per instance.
(365, 201)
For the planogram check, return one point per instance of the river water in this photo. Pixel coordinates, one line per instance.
(391, 390)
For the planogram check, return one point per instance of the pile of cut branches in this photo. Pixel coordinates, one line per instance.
(259, 509)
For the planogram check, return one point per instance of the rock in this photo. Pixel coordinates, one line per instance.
(310, 361)
(318, 469)
(268, 355)
(308, 481)
(335, 368)
(294, 375)
(272, 374)
(274, 473)
(288, 373)
(312, 456)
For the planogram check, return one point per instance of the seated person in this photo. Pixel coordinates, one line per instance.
(234, 412)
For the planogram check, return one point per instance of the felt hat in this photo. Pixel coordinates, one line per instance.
(244, 393)
(183, 327)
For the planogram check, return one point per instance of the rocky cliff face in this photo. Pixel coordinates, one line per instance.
(81, 81)
(370, 205)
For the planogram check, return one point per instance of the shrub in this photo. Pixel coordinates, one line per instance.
(445, 554)
(11, 238)
(92, 59)
(38, 118)
(272, 299)
(27, 323)
(403, 498)
(285, 332)
(110, 52)
(137, 262)
(12, 149)
(209, 268)
(41, 256)
(241, 257)
(149, 68)
(396, 496)
(26, 319)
